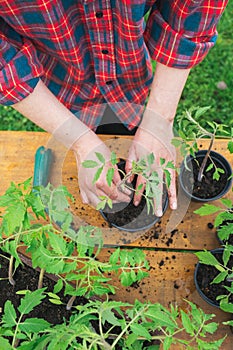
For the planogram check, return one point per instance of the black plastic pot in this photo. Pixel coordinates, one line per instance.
(139, 218)
(208, 189)
(203, 278)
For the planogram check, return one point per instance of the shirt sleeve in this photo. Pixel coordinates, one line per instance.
(20, 68)
(180, 33)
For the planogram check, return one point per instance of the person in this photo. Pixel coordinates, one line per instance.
(62, 60)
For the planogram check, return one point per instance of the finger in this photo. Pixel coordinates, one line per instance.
(172, 190)
(84, 197)
(112, 192)
(138, 194)
(158, 207)
(129, 163)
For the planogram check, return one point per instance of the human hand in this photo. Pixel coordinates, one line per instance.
(154, 136)
(91, 190)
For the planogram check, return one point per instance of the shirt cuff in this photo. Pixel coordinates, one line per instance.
(19, 75)
(173, 49)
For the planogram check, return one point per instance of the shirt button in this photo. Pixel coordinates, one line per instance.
(109, 82)
(104, 52)
(99, 14)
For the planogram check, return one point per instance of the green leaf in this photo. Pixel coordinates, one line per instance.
(31, 300)
(109, 176)
(9, 317)
(187, 323)
(140, 330)
(4, 344)
(207, 209)
(89, 164)
(100, 157)
(56, 301)
(97, 175)
(113, 158)
(58, 286)
(220, 277)
(230, 146)
(34, 325)
(207, 258)
(228, 203)
(109, 316)
(209, 167)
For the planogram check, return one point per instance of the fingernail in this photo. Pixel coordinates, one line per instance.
(174, 205)
(136, 203)
(159, 213)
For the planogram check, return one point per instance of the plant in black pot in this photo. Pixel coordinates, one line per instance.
(214, 277)
(128, 216)
(205, 175)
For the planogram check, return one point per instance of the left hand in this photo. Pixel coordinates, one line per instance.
(154, 135)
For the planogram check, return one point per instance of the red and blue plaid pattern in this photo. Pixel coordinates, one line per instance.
(93, 51)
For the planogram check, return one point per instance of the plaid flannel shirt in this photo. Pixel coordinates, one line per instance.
(93, 51)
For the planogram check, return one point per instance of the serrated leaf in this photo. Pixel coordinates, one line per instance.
(207, 258)
(58, 286)
(89, 164)
(207, 209)
(31, 300)
(220, 277)
(9, 317)
(4, 344)
(97, 175)
(140, 331)
(187, 323)
(34, 325)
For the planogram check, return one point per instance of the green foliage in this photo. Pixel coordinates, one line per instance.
(73, 257)
(52, 247)
(129, 326)
(223, 220)
(190, 130)
(17, 327)
(225, 274)
(144, 167)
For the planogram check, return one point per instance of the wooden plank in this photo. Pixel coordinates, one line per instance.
(17, 150)
(171, 281)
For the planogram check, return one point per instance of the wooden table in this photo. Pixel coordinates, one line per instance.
(169, 245)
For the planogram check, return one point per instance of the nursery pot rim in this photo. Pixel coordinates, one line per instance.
(223, 163)
(214, 303)
(122, 228)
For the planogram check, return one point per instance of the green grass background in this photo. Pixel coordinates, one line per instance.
(200, 90)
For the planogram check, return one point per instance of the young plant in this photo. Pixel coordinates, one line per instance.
(108, 325)
(143, 167)
(56, 248)
(190, 131)
(225, 275)
(223, 221)
(16, 326)
(18, 203)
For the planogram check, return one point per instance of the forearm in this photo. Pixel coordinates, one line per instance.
(166, 90)
(44, 109)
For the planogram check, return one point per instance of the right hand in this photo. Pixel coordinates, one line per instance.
(85, 149)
